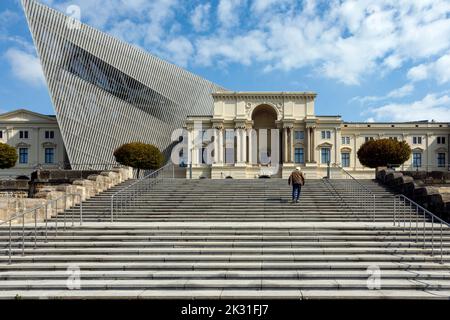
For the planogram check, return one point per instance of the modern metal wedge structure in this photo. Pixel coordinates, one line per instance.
(106, 92)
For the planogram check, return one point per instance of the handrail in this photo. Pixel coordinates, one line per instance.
(402, 213)
(127, 195)
(360, 194)
(35, 213)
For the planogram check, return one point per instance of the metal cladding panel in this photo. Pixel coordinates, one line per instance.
(106, 92)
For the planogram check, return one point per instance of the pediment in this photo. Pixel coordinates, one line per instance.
(325, 145)
(346, 149)
(23, 145)
(418, 149)
(49, 145)
(23, 115)
(441, 149)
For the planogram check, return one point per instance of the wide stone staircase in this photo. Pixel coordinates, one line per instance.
(228, 239)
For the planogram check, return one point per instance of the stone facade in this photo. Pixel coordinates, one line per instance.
(37, 139)
(48, 196)
(232, 141)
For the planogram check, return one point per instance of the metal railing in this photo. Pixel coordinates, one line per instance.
(127, 197)
(415, 220)
(53, 204)
(356, 196)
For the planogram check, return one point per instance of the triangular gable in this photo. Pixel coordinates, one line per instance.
(23, 115)
(325, 145)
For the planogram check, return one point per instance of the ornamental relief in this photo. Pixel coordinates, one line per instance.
(250, 106)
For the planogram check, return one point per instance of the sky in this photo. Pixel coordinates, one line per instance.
(368, 60)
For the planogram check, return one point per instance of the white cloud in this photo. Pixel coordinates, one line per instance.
(179, 50)
(259, 6)
(228, 12)
(431, 107)
(25, 66)
(251, 46)
(438, 70)
(345, 40)
(200, 17)
(401, 92)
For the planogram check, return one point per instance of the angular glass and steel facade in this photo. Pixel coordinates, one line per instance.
(106, 92)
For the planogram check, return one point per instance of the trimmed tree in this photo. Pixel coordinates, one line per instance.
(8, 156)
(139, 156)
(380, 153)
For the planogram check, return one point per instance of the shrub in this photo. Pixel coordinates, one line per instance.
(8, 156)
(380, 153)
(140, 156)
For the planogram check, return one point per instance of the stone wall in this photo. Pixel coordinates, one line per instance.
(434, 198)
(47, 195)
(14, 188)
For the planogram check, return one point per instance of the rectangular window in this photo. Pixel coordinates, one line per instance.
(49, 155)
(441, 159)
(345, 140)
(299, 155)
(417, 140)
(441, 140)
(326, 134)
(345, 159)
(417, 159)
(299, 135)
(23, 155)
(369, 138)
(49, 134)
(1, 134)
(325, 155)
(23, 134)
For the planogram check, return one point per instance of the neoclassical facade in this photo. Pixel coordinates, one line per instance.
(258, 134)
(37, 139)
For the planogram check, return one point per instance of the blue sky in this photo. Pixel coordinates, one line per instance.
(385, 60)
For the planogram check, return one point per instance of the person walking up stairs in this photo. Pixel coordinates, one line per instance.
(297, 179)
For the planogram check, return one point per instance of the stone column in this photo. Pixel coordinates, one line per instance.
(189, 146)
(313, 141)
(216, 145)
(307, 146)
(194, 148)
(221, 146)
(285, 146)
(250, 150)
(291, 145)
(238, 146)
(244, 145)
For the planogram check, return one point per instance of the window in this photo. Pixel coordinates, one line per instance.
(202, 155)
(417, 140)
(326, 134)
(299, 135)
(345, 140)
(229, 146)
(23, 134)
(393, 138)
(417, 159)
(440, 140)
(49, 134)
(1, 134)
(325, 155)
(369, 138)
(299, 155)
(49, 155)
(23, 155)
(345, 159)
(441, 159)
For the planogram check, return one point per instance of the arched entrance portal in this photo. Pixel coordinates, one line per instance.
(264, 117)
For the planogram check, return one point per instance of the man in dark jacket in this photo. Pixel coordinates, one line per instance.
(297, 179)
